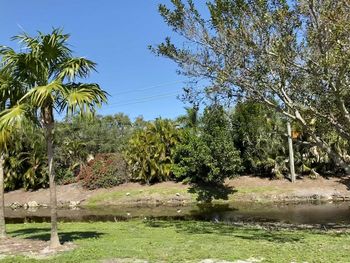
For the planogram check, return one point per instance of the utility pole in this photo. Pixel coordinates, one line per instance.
(291, 152)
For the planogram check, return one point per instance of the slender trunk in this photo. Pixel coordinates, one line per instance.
(49, 124)
(2, 201)
(291, 152)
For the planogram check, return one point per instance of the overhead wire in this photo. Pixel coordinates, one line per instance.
(146, 88)
(144, 100)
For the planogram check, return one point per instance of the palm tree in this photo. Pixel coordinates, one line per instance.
(47, 65)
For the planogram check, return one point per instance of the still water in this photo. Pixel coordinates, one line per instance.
(302, 213)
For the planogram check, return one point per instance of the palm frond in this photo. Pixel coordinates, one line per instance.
(82, 98)
(75, 67)
(27, 41)
(43, 95)
(13, 117)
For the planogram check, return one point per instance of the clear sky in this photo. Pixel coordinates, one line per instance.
(115, 34)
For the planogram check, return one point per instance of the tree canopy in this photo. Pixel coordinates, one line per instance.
(291, 55)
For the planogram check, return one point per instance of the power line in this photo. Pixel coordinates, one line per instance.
(147, 88)
(137, 102)
(144, 98)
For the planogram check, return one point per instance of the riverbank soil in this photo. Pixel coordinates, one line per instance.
(244, 188)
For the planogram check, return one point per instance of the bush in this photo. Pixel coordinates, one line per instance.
(65, 176)
(105, 170)
(207, 155)
(150, 151)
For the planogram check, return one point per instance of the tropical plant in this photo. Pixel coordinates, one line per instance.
(259, 134)
(10, 91)
(46, 64)
(26, 162)
(150, 151)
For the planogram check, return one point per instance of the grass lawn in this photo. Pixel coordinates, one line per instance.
(178, 241)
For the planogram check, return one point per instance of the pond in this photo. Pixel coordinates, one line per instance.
(292, 213)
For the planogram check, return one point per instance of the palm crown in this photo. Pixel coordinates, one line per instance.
(46, 65)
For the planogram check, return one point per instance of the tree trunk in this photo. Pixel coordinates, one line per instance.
(2, 201)
(49, 124)
(291, 152)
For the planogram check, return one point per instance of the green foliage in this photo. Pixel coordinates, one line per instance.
(150, 151)
(100, 134)
(26, 161)
(209, 155)
(292, 56)
(259, 134)
(104, 171)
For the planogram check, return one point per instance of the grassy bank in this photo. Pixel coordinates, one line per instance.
(160, 241)
(178, 194)
(241, 189)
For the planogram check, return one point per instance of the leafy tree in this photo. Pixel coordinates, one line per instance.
(46, 64)
(150, 151)
(139, 122)
(290, 55)
(209, 155)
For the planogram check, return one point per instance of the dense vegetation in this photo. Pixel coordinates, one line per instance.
(254, 67)
(295, 71)
(200, 148)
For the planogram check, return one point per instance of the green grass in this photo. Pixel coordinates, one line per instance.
(178, 241)
(158, 193)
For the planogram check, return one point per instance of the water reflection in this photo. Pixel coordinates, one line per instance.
(303, 213)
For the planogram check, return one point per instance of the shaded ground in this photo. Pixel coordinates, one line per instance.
(243, 188)
(38, 249)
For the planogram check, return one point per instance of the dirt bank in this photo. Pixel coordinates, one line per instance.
(244, 188)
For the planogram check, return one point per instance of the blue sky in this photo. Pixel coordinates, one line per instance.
(115, 34)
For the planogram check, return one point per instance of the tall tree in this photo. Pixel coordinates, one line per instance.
(291, 55)
(47, 65)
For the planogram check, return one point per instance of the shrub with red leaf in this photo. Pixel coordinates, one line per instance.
(104, 171)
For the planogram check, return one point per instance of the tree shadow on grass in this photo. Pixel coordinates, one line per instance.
(194, 227)
(207, 192)
(43, 234)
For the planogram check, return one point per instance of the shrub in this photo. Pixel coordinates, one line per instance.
(105, 170)
(150, 151)
(207, 155)
(65, 176)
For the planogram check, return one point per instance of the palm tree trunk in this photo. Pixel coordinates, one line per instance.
(49, 124)
(2, 201)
